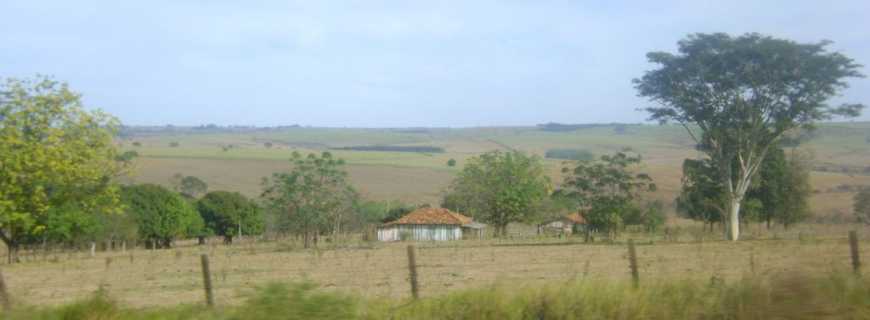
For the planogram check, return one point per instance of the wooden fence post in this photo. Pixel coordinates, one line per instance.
(4, 295)
(632, 263)
(412, 269)
(853, 245)
(206, 279)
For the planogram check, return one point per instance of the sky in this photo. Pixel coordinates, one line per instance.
(372, 63)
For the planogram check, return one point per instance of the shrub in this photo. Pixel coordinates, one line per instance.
(297, 301)
(451, 163)
(174, 144)
(223, 211)
(161, 215)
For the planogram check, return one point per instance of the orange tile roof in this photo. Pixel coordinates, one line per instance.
(576, 218)
(432, 216)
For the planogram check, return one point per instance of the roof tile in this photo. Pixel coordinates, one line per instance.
(432, 216)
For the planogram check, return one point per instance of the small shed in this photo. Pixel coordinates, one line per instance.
(431, 224)
(566, 224)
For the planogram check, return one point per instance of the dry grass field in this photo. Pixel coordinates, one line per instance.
(420, 178)
(140, 278)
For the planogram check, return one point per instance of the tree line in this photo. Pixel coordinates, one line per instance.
(740, 98)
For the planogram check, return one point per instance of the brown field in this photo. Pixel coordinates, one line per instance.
(419, 178)
(169, 277)
(374, 182)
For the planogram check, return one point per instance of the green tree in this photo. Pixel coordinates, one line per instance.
(738, 96)
(161, 215)
(189, 186)
(702, 196)
(127, 156)
(68, 225)
(500, 188)
(228, 213)
(53, 154)
(783, 188)
(654, 216)
(861, 205)
(779, 193)
(396, 211)
(313, 198)
(607, 190)
(451, 162)
(192, 187)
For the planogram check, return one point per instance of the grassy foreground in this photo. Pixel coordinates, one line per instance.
(832, 296)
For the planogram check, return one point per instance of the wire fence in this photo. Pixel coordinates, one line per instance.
(141, 277)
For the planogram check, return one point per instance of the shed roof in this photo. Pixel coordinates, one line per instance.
(576, 217)
(432, 216)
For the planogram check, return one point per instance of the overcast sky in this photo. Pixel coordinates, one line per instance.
(385, 63)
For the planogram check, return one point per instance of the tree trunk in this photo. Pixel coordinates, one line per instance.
(305, 240)
(588, 233)
(12, 253)
(733, 226)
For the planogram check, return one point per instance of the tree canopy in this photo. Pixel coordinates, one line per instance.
(499, 188)
(227, 213)
(313, 197)
(608, 191)
(738, 96)
(53, 154)
(161, 215)
(780, 192)
(189, 186)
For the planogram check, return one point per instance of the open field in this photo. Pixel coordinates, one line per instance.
(238, 161)
(375, 270)
(140, 278)
(777, 296)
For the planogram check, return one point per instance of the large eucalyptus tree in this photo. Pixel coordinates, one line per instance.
(738, 96)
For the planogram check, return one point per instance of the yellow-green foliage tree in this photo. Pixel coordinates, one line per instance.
(499, 188)
(315, 197)
(53, 154)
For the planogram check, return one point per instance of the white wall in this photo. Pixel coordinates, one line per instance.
(420, 232)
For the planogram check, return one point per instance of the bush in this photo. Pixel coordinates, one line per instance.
(161, 215)
(223, 211)
(570, 154)
(451, 163)
(298, 301)
(174, 144)
(127, 156)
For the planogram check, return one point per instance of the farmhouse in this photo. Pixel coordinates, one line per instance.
(567, 224)
(431, 224)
